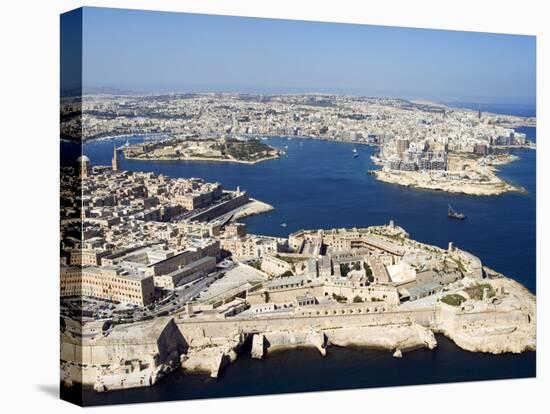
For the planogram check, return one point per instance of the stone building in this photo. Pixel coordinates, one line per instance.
(116, 284)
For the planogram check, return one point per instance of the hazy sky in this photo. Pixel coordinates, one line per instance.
(158, 51)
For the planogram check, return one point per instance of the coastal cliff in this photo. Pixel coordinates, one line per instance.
(111, 357)
(504, 323)
(398, 337)
(430, 181)
(502, 320)
(466, 175)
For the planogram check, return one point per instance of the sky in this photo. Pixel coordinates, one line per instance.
(177, 52)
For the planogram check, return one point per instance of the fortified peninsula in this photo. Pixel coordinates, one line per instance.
(157, 274)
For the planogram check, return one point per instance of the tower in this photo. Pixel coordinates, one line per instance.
(114, 161)
(451, 247)
(83, 166)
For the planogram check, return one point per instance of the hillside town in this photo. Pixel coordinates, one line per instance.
(431, 127)
(421, 144)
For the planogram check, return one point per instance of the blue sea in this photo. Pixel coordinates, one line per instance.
(318, 184)
(305, 370)
(525, 110)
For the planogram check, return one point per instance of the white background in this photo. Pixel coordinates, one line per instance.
(29, 148)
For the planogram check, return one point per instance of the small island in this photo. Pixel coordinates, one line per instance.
(247, 151)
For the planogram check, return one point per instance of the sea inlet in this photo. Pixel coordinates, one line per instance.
(319, 184)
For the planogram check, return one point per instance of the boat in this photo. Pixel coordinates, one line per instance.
(355, 150)
(355, 155)
(283, 224)
(451, 213)
(376, 160)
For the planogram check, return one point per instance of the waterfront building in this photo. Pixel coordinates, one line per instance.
(401, 145)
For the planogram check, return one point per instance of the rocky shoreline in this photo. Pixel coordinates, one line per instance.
(205, 159)
(210, 359)
(503, 322)
(426, 182)
(468, 175)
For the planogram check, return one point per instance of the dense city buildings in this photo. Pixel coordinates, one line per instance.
(125, 233)
(381, 121)
(158, 265)
(144, 251)
(230, 188)
(421, 144)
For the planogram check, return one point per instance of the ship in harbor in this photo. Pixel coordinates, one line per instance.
(451, 213)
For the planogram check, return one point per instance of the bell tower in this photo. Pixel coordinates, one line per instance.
(114, 161)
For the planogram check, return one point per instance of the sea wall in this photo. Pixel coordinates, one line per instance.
(124, 356)
(140, 354)
(280, 340)
(314, 317)
(493, 326)
(394, 337)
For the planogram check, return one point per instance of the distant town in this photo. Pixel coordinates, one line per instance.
(422, 144)
(159, 273)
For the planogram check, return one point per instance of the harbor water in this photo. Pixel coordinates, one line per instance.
(320, 184)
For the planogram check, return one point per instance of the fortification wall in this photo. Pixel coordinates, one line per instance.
(305, 319)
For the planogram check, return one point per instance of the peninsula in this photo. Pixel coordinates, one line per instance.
(163, 277)
(466, 174)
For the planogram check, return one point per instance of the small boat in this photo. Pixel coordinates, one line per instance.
(355, 150)
(451, 213)
(283, 224)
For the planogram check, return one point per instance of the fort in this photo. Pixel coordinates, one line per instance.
(250, 151)
(476, 307)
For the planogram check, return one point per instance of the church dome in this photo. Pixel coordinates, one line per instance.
(82, 158)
